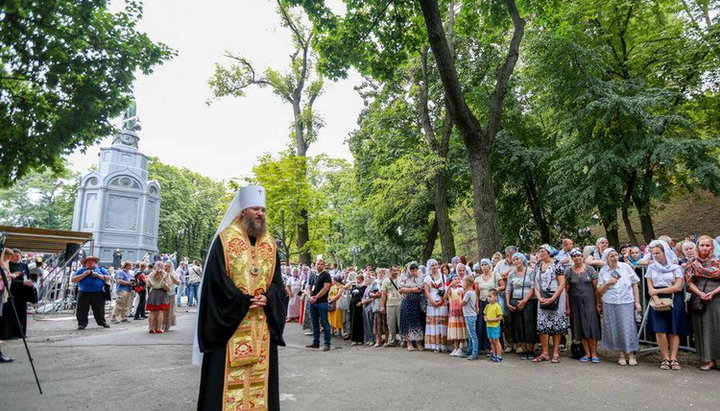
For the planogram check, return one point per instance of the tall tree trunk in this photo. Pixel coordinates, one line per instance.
(641, 200)
(303, 229)
(440, 148)
(626, 205)
(628, 225)
(430, 243)
(442, 217)
(608, 217)
(478, 140)
(535, 204)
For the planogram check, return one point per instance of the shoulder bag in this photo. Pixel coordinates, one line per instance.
(696, 304)
(547, 293)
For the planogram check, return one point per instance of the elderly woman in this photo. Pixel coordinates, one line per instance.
(667, 317)
(437, 311)
(550, 289)
(618, 286)
(582, 306)
(485, 281)
(411, 324)
(173, 281)
(157, 301)
(595, 257)
(521, 301)
(703, 280)
(687, 249)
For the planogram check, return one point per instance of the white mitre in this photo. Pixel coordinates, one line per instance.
(251, 196)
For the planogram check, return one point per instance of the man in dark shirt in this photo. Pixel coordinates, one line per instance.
(319, 306)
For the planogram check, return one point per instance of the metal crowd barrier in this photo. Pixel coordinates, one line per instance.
(686, 343)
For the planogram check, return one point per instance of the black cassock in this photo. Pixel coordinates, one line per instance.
(22, 294)
(222, 308)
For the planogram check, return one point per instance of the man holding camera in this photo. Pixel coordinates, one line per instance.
(91, 281)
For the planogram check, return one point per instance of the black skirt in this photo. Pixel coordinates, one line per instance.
(525, 323)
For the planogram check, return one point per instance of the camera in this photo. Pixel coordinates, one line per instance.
(441, 292)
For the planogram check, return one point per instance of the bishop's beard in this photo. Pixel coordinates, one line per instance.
(252, 227)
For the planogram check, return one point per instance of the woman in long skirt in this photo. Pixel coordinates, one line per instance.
(703, 278)
(618, 286)
(293, 287)
(173, 281)
(582, 307)
(437, 310)
(411, 321)
(357, 311)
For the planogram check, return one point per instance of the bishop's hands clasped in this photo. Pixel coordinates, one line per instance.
(258, 301)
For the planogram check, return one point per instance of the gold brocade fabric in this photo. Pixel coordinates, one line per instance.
(246, 362)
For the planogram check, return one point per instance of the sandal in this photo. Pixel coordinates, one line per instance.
(555, 359)
(622, 361)
(675, 365)
(540, 358)
(665, 365)
(632, 362)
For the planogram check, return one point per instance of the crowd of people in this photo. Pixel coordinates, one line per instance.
(535, 304)
(135, 288)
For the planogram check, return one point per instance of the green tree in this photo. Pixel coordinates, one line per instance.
(66, 68)
(191, 206)
(611, 79)
(378, 36)
(300, 87)
(42, 200)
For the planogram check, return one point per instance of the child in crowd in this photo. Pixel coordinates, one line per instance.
(493, 315)
(456, 321)
(470, 307)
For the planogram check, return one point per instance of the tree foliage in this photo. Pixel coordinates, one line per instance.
(191, 208)
(41, 200)
(66, 68)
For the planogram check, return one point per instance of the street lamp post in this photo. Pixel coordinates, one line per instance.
(354, 250)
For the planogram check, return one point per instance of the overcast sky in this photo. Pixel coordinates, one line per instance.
(223, 140)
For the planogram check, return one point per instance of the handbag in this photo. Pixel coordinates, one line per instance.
(696, 304)
(106, 292)
(553, 306)
(667, 304)
(343, 303)
(576, 350)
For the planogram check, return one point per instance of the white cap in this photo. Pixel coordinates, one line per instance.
(251, 196)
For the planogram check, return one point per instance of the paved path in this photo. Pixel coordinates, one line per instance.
(124, 368)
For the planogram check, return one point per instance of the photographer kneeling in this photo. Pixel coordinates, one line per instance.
(91, 280)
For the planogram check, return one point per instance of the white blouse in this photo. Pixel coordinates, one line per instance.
(620, 292)
(662, 280)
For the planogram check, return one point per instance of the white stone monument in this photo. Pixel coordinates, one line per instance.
(117, 203)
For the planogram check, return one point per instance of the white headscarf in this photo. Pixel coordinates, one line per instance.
(670, 257)
(232, 212)
(429, 264)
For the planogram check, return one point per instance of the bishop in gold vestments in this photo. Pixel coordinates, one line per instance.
(237, 335)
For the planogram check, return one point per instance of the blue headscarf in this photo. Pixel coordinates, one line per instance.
(486, 261)
(522, 257)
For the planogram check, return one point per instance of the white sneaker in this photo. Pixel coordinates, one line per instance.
(455, 353)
